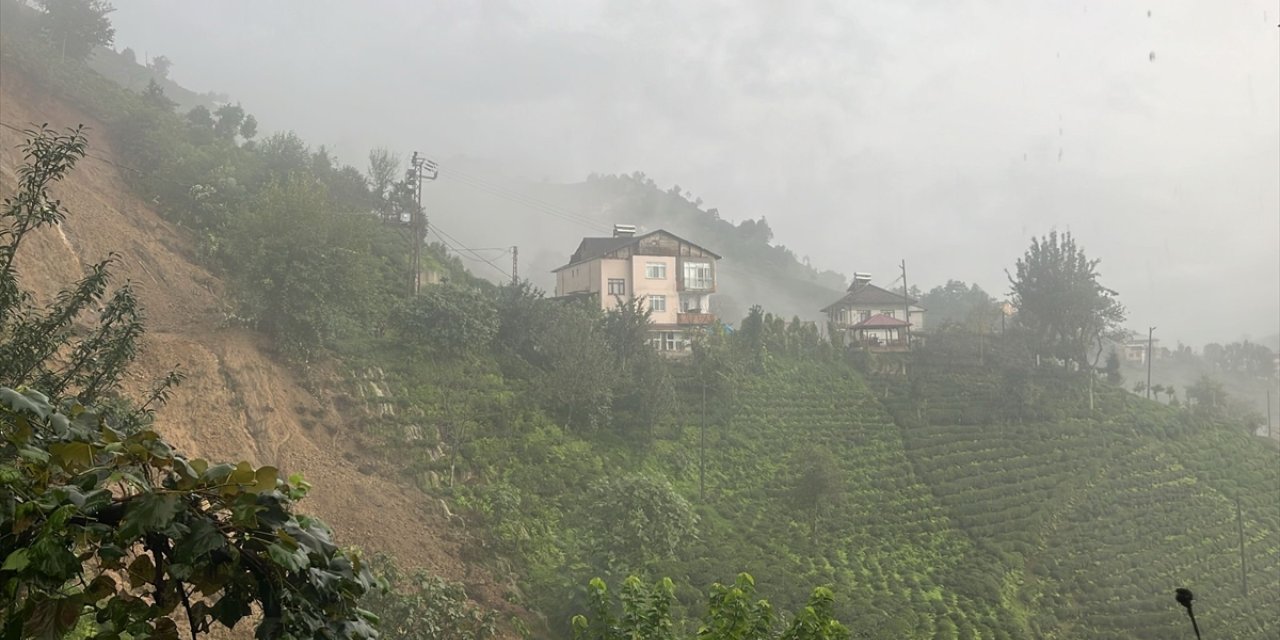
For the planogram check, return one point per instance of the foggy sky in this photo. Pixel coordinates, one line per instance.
(943, 133)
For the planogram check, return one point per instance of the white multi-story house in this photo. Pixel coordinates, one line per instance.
(670, 276)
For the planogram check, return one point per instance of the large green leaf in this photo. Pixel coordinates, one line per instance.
(16, 561)
(201, 538)
(31, 402)
(148, 512)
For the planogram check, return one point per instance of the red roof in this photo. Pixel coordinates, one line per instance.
(881, 321)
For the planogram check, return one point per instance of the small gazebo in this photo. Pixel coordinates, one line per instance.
(881, 332)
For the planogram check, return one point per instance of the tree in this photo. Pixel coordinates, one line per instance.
(161, 65)
(77, 27)
(1112, 369)
(384, 166)
(304, 273)
(577, 374)
(34, 339)
(230, 119)
(816, 620)
(101, 521)
(154, 96)
(422, 606)
(1060, 301)
(200, 118)
(734, 613)
(956, 304)
(446, 319)
(637, 520)
(643, 393)
(819, 482)
(643, 612)
(249, 127)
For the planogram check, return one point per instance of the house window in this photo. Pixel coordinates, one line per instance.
(617, 287)
(655, 270)
(888, 312)
(668, 341)
(697, 275)
(864, 315)
(657, 303)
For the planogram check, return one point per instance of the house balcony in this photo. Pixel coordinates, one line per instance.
(697, 319)
(879, 345)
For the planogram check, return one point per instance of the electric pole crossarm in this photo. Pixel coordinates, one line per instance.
(420, 169)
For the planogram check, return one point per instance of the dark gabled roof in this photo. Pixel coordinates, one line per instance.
(596, 247)
(881, 321)
(867, 293)
(592, 248)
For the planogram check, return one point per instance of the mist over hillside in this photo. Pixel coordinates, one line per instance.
(866, 133)
(546, 221)
(210, 332)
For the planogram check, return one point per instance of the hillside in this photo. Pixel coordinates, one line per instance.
(524, 446)
(237, 402)
(980, 497)
(1096, 514)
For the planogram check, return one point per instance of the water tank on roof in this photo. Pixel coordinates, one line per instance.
(624, 230)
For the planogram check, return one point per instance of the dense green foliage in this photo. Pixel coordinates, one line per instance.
(115, 527)
(957, 305)
(421, 606)
(75, 27)
(643, 612)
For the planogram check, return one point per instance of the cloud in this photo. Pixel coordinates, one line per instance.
(945, 133)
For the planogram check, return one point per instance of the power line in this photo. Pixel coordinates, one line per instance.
(446, 239)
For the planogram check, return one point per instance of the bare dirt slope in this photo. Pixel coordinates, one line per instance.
(237, 403)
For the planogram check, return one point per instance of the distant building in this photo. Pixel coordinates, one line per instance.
(1134, 348)
(875, 317)
(670, 276)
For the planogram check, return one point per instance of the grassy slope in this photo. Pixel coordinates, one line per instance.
(1098, 519)
(884, 545)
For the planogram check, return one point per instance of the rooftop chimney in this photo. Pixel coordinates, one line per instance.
(624, 230)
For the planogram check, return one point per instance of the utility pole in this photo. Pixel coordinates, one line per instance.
(1244, 584)
(515, 265)
(906, 301)
(1150, 331)
(419, 168)
(1268, 412)
(702, 449)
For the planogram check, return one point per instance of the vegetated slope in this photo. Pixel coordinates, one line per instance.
(236, 402)
(882, 540)
(1096, 516)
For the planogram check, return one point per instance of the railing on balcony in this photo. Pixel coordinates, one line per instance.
(695, 318)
